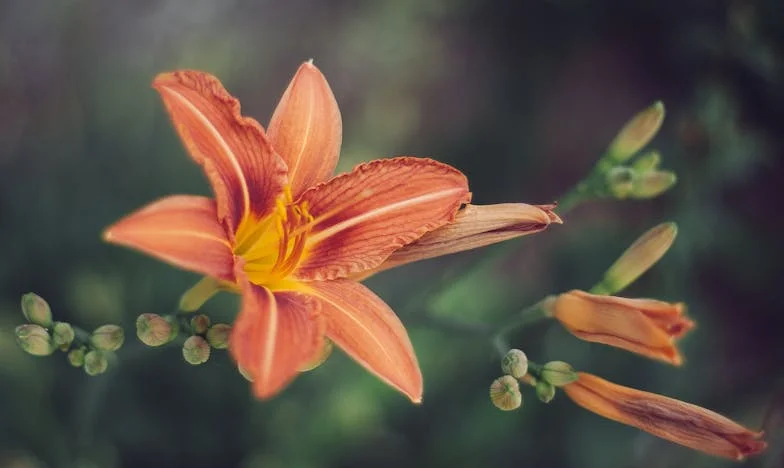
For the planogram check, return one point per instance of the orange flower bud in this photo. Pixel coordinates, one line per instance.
(643, 326)
(670, 419)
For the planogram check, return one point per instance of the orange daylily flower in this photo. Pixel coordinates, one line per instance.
(668, 418)
(643, 326)
(287, 238)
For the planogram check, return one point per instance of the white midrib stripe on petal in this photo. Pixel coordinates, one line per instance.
(182, 232)
(222, 142)
(354, 319)
(318, 237)
(306, 135)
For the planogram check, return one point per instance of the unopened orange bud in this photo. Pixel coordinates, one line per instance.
(668, 418)
(643, 326)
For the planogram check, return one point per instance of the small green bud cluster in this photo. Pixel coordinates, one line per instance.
(617, 174)
(158, 330)
(196, 349)
(43, 336)
(505, 391)
(642, 179)
(639, 181)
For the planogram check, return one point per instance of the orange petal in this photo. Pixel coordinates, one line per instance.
(306, 129)
(683, 423)
(182, 230)
(274, 335)
(369, 331)
(245, 173)
(475, 226)
(363, 216)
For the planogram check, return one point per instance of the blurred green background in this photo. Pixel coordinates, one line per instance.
(521, 96)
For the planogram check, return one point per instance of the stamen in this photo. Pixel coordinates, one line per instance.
(315, 221)
(277, 252)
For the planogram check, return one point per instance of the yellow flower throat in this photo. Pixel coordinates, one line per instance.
(274, 245)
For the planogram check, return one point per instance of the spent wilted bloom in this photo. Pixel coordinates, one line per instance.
(289, 238)
(474, 226)
(645, 326)
(668, 418)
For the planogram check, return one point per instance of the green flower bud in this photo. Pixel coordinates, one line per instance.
(154, 330)
(620, 181)
(34, 339)
(652, 184)
(200, 323)
(637, 133)
(76, 357)
(218, 335)
(558, 373)
(545, 392)
(95, 362)
(36, 310)
(505, 393)
(63, 335)
(515, 363)
(196, 350)
(108, 337)
(638, 258)
(647, 162)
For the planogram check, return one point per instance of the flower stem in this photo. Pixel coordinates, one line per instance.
(200, 293)
(81, 337)
(574, 197)
(528, 316)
